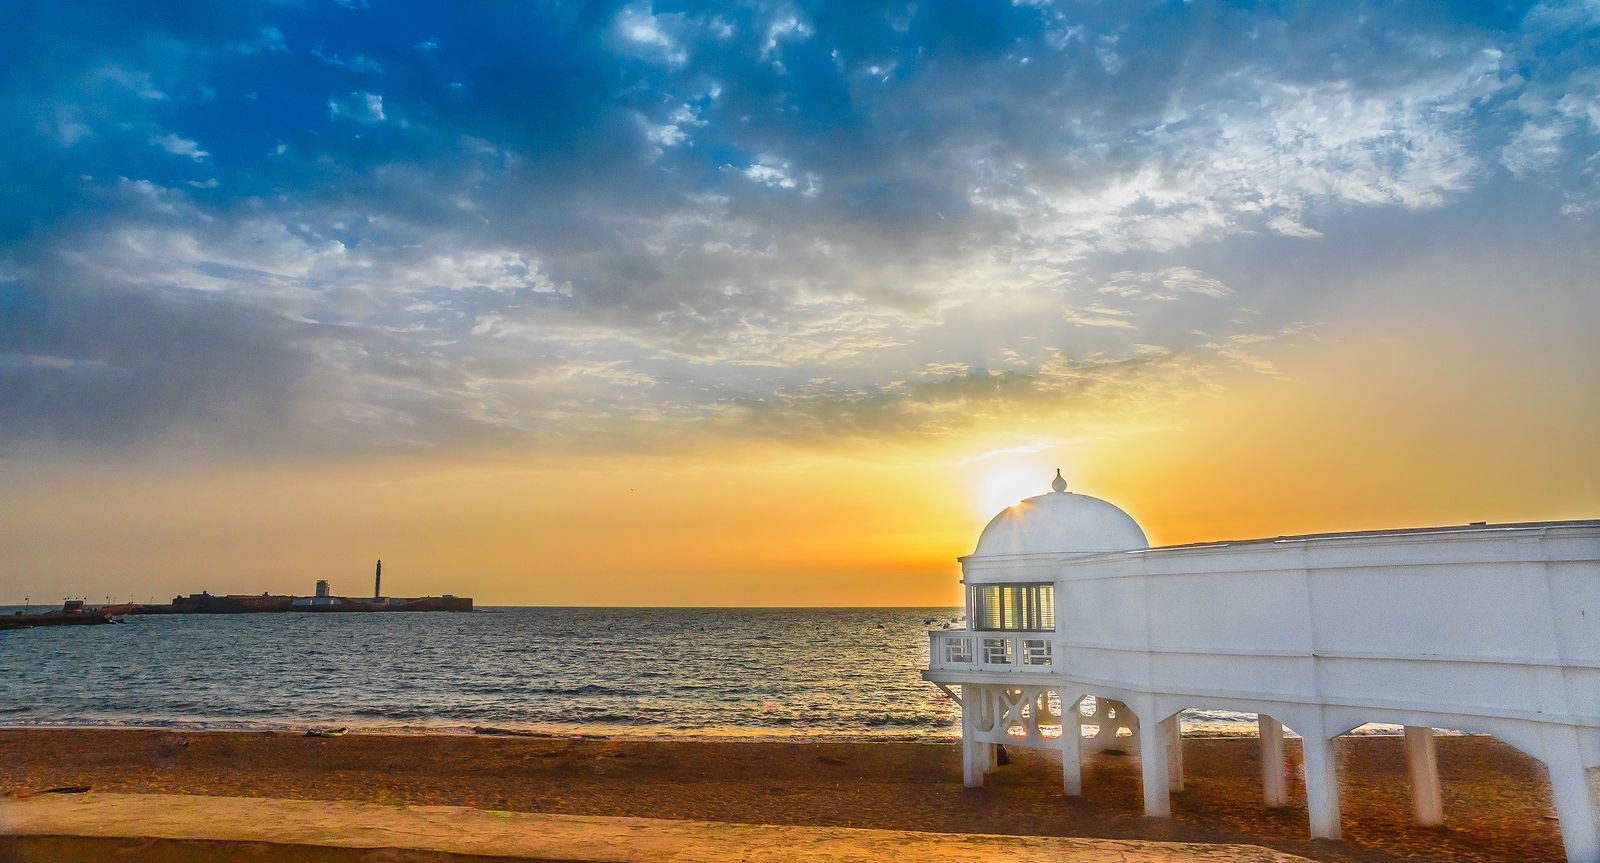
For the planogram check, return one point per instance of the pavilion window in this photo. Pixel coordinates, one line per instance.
(1014, 607)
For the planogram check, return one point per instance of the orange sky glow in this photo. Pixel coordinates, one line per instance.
(1348, 432)
(240, 353)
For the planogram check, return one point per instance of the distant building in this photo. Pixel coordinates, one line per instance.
(207, 603)
(1482, 628)
(323, 599)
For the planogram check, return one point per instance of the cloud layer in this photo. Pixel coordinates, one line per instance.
(351, 227)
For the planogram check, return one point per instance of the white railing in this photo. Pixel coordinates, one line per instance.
(968, 650)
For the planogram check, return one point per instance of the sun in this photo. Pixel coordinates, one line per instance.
(1001, 487)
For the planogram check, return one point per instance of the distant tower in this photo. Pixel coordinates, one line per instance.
(377, 581)
(322, 587)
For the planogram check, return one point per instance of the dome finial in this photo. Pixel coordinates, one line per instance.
(1059, 483)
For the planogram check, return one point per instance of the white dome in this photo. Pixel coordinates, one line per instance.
(1061, 523)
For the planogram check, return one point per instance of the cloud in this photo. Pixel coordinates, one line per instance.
(770, 171)
(531, 225)
(1165, 284)
(1058, 385)
(362, 107)
(179, 146)
(1100, 316)
(115, 368)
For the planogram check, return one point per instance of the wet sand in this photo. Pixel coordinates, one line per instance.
(1497, 800)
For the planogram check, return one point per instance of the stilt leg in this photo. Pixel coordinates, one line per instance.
(991, 717)
(1422, 762)
(1071, 751)
(1153, 761)
(1173, 731)
(1575, 805)
(972, 752)
(1322, 782)
(1272, 783)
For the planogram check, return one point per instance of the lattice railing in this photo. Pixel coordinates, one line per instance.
(990, 651)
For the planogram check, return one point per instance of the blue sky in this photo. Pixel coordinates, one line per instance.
(388, 227)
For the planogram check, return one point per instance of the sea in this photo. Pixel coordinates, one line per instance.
(836, 673)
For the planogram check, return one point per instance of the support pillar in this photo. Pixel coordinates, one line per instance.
(991, 719)
(1274, 790)
(1153, 762)
(1569, 787)
(973, 758)
(1172, 730)
(1071, 751)
(1322, 781)
(1422, 762)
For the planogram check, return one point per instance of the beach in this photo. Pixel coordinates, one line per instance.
(1497, 805)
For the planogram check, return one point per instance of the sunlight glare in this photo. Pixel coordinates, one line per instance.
(1001, 486)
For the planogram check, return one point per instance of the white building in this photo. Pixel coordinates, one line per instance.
(1480, 628)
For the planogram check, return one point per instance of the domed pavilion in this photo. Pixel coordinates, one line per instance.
(1082, 638)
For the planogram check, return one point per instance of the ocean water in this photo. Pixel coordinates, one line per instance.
(849, 673)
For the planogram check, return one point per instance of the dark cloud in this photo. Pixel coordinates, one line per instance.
(115, 367)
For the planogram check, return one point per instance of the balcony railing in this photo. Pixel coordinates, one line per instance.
(968, 650)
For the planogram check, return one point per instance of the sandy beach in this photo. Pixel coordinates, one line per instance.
(1496, 800)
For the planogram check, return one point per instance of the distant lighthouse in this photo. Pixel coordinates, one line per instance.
(377, 582)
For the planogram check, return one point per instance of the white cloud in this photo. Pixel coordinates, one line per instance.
(363, 107)
(787, 27)
(180, 146)
(1165, 284)
(771, 171)
(1099, 316)
(1291, 227)
(641, 29)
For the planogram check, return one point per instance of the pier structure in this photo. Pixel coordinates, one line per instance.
(1080, 637)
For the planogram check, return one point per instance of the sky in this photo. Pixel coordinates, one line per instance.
(775, 303)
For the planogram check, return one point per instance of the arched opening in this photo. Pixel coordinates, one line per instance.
(1096, 733)
(1242, 770)
(1468, 795)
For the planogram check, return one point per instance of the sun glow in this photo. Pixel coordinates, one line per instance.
(1000, 487)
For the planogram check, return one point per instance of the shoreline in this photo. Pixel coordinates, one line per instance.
(1497, 800)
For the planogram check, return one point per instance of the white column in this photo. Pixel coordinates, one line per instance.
(1272, 784)
(991, 719)
(972, 757)
(1569, 786)
(1153, 761)
(1422, 762)
(1172, 730)
(1071, 750)
(1322, 780)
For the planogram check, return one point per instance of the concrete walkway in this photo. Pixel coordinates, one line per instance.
(458, 830)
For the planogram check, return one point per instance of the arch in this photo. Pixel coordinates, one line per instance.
(1392, 757)
(1090, 724)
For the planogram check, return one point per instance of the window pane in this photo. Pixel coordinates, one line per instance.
(1014, 607)
(989, 607)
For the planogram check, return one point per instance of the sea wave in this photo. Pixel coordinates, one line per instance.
(635, 672)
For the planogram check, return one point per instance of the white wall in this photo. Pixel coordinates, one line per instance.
(1494, 622)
